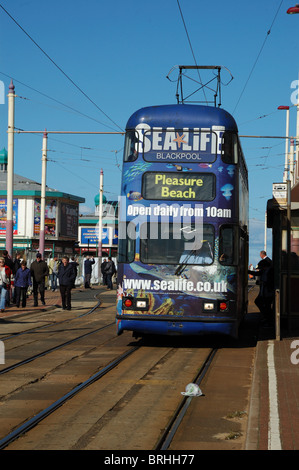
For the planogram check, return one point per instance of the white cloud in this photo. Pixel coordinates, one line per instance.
(83, 209)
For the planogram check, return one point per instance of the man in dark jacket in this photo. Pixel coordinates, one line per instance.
(109, 271)
(66, 276)
(88, 270)
(39, 270)
(265, 297)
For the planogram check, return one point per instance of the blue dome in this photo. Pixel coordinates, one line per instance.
(97, 199)
(3, 156)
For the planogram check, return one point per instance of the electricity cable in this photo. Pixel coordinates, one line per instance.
(258, 56)
(188, 37)
(59, 68)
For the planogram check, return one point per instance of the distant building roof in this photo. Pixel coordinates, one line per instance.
(25, 187)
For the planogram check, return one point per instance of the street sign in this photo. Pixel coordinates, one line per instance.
(279, 193)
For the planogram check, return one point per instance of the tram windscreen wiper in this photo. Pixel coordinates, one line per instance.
(203, 256)
(182, 266)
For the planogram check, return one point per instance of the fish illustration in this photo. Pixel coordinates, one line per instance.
(205, 165)
(134, 196)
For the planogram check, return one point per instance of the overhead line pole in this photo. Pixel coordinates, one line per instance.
(10, 169)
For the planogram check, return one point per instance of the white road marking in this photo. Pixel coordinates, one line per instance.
(274, 442)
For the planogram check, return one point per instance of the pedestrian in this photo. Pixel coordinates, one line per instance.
(3, 283)
(75, 265)
(8, 261)
(39, 270)
(53, 272)
(9, 272)
(22, 282)
(265, 298)
(66, 276)
(17, 265)
(103, 272)
(88, 270)
(17, 262)
(110, 270)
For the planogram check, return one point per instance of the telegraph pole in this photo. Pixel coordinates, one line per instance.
(43, 196)
(101, 213)
(10, 168)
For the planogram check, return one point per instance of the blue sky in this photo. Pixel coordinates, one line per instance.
(119, 53)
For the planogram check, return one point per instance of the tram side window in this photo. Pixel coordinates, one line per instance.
(168, 244)
(131, 146)
(126, 243)
(228, 241)
(230, 148)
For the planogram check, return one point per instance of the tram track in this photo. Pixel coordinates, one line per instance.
(170, 431)
(109, 407)
(55, 348)
(165, 355)
(59, 346)
(31, 423)
(67, 320)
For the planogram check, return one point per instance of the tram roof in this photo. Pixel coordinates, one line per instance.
(183, 115)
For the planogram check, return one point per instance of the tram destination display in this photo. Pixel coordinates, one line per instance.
(174, 186)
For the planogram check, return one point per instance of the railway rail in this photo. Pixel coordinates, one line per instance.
(57, 404)
(169, 433)
(146, 377)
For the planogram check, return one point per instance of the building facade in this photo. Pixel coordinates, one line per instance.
(61, 216)
(88, 229)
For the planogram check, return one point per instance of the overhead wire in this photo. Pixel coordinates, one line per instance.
(59, 68)
(53, 99)
(189, 40)
(258, 56)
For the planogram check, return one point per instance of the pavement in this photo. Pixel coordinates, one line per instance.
(273, 418)
(52, 300)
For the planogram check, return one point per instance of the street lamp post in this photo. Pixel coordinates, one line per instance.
(10, 168)
(43, 196)
(286, 173)
(290, 11)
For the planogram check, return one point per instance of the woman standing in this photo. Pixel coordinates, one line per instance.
(22, 282)
(4, 281)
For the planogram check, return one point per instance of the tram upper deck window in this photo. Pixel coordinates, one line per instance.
(230, 148)
(228, 250)
(162, 243)
(131, 146)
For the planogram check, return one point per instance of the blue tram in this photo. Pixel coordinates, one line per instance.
(183, 223)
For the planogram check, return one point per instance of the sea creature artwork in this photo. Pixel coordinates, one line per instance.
(231, 170)
(220, 169)
(227, 191)
(134, 196)
(135, 170)
(205, 165)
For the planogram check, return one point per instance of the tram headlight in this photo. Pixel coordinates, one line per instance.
(209, 306)
(131, 303)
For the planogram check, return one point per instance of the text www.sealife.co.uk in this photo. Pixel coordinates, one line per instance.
(175, 285)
